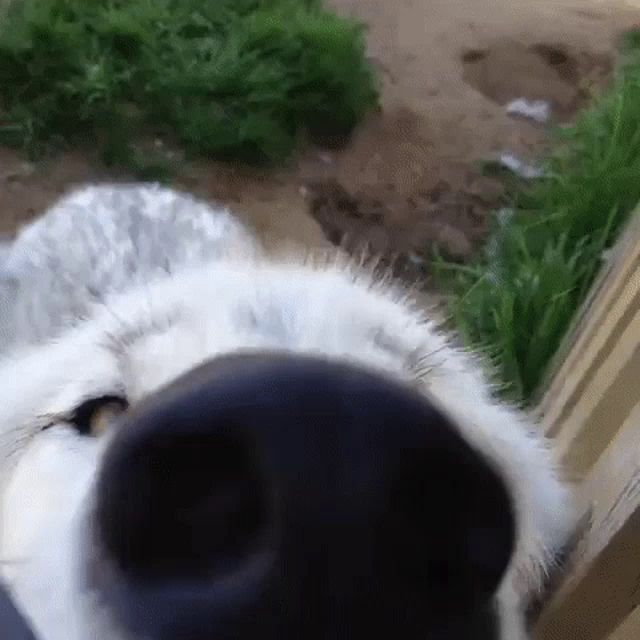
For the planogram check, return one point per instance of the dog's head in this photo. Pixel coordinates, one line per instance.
(277, 451)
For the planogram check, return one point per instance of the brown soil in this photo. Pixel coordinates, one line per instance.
(410, 175)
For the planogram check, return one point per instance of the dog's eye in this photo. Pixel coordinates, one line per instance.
(94, 416)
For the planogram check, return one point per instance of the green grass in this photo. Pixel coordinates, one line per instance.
(239, 80)
(517, 300)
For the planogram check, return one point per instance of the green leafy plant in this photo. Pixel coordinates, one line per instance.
(228, 79)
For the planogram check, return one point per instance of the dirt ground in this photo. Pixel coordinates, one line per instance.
(410, 176)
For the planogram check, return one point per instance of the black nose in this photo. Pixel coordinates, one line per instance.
(294, 497)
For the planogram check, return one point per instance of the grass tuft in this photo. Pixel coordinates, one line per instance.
(517, 300)
(228, 79)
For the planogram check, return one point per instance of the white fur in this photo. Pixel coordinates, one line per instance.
(121, 289)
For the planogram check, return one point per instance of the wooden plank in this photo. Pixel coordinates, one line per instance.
(606, 401)
(604, 586)
(592, 409)
(629, 629)
(622, 260)
(604, 289)
(600, 320)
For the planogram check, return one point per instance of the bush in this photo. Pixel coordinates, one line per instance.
(228, 79)
(516, 302)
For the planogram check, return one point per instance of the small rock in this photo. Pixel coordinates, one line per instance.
(453, 242)
(487, 190)
(437, 191)
(23, 170)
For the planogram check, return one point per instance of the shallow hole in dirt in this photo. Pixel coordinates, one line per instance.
(508, 69)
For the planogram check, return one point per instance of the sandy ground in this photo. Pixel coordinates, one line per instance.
(410, 176)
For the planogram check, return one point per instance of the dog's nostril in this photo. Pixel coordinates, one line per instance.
(184, 506)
